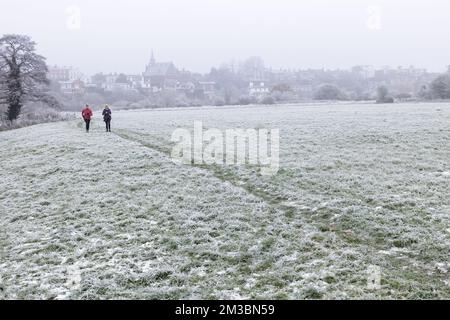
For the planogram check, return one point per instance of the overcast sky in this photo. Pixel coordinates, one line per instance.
(198, 34)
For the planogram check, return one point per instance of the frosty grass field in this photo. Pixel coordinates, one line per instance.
(105, 216)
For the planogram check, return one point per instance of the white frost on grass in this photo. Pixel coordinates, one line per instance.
(113, 212)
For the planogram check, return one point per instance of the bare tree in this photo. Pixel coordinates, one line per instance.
(23, 75)
(253, 68)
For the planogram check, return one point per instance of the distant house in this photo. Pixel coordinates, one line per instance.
(208, 87)
(186, 87)
(136, 81)
(72, 87)
(109, 83)
(363, 72)
(258, 88)
(205, 89)
(117, 82)
(117, 86)
(57, 74)
(70, 80)
(159, 76)
(111, 78)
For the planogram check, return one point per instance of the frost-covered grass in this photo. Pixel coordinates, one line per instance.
(108, 216)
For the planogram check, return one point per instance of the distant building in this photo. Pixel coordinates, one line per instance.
(258, 88)
(72, 87)
(159, 76)
(208, 87)
(116, 86)
(364, 72)
(205, 89)
(111, 78)
(188, 88)
(116, 82)
(57, 74)
(136, 81)
(70, 80)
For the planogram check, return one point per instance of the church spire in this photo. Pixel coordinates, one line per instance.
(152, 60)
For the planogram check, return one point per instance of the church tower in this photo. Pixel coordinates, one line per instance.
(152, 60)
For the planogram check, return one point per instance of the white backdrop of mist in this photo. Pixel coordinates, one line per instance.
(198, 34)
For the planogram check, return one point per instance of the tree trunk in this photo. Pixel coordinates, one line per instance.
(14, 95)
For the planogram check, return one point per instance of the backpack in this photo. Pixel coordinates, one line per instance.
(107, 115)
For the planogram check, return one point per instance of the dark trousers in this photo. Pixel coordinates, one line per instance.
(108, 125)
(88, 124)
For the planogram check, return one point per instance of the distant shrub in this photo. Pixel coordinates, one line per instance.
(30, 118)
(244, 100)
(267, 100)
(219, 102)
(382, 95)
(329, 92)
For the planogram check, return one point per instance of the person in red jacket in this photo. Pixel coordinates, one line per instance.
(87, 115)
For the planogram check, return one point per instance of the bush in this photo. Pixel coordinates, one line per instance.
(267, 100)
(329, 92)
(219, 102)
(246, 100)
(382, 95)
(32, 117)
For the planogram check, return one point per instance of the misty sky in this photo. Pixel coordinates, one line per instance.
(198, 34)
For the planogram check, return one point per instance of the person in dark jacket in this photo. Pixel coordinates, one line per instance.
(107, 118)
(87, 114)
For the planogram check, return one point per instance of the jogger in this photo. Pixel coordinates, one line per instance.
(87, 115)
(88, 124)
(107, 118)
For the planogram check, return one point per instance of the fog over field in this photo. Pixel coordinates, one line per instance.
(197, 34)
(224, 150)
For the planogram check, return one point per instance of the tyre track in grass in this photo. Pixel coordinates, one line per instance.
(284, 224)
(278, 221)
(266, 229)
(218, 171)
(279, 202)
(221, 236)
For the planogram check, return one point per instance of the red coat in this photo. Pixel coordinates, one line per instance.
(87, 113)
